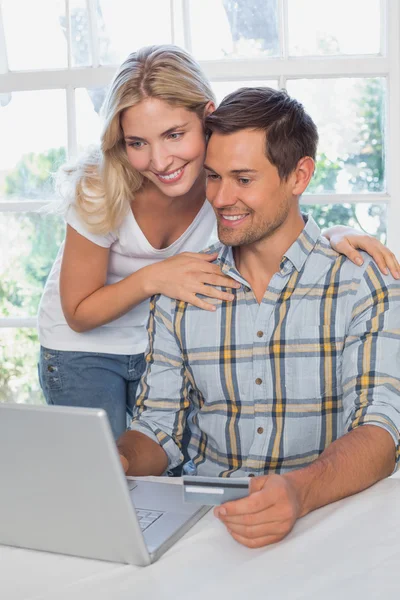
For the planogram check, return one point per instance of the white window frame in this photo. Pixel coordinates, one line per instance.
(386, 65)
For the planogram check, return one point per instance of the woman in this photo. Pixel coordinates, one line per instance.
(136, 223)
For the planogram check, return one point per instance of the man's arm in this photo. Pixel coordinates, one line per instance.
(349, 465)
(371, 409)
(140, 455)
(154, 442)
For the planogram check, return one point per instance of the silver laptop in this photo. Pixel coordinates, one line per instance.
(62, 489)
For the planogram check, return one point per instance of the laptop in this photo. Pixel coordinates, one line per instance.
(63, 489)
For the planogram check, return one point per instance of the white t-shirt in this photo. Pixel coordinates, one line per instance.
(129, 252)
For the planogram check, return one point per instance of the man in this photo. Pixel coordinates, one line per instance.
(288, 383)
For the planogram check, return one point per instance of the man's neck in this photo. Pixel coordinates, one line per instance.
(258, 262)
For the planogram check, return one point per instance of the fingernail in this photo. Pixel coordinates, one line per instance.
(221, 512)
(359, 261)
(397, 274)
(386, 271)
(231, 297)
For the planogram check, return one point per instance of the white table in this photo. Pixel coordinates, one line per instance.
(348, 550)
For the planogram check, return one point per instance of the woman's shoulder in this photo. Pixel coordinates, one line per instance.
(76, 220)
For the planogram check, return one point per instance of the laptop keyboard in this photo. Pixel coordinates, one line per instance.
(147, 517)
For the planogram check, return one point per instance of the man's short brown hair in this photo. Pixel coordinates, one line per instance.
(290, 132)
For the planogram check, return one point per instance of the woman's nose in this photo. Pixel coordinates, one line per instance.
(161, 160)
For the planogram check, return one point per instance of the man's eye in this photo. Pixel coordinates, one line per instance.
(244, 180)
(175, 136)
(212, 176)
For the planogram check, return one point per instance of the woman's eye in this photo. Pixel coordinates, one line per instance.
(136, 144)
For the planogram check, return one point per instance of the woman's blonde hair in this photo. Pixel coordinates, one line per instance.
(103, 181)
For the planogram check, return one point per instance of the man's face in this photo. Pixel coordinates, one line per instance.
(244, 188)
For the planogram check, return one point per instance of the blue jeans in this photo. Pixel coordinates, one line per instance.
(92, 380)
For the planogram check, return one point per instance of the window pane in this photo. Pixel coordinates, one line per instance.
(350, 115)
(35, 34)
(32, 142)
(223, 88)
(81, 54)
(370, 218)
(88, 104)
(19, 353)
(234, 28)
(28, 246)
(126, 26)
(329, 28)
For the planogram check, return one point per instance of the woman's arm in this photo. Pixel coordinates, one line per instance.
(347, 240)
(87, 301)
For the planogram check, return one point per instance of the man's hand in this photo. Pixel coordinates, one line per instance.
(264, 517)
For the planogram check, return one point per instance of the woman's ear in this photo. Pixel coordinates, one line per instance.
(209, 108)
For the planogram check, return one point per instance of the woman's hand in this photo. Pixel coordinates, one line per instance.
(185, 275)
(347, 240)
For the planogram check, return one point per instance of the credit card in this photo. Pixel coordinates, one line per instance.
(214, 490)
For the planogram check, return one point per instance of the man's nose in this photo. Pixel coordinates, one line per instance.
(223, 196)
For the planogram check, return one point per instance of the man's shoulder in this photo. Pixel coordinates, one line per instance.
(369, 269)
(339, 276)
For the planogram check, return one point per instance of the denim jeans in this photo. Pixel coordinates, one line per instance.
(92, 380)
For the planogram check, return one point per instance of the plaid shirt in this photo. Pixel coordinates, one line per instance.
(267, 387)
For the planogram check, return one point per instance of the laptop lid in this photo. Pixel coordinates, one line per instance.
(63, 488)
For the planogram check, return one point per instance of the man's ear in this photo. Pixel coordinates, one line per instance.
(303, 173)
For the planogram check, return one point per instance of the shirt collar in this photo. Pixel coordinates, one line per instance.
(295, 256)
(300, 250)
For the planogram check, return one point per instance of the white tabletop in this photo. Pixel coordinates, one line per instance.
(348, 550)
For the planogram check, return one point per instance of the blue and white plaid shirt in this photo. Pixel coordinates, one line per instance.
(267, 387)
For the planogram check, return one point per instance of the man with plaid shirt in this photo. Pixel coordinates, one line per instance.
(295, 382)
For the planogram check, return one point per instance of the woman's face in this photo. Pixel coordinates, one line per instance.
(164, 143)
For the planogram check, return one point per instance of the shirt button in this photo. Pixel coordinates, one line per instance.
(258, 381)
(51, 369)
(251, 475)
(260, 333)
(260, 430)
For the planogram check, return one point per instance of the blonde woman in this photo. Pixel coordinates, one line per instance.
(137, 221)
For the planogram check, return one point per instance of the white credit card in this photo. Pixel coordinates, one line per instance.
(214, 490)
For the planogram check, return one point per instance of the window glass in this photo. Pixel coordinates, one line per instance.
(334, 28)
(32, 142)
(350, 116)
(81, 53)
(36, 34)
(88, 122)
(28, 246)
(234, 28)
(19, 353)
(123, 27)
(370, 218)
